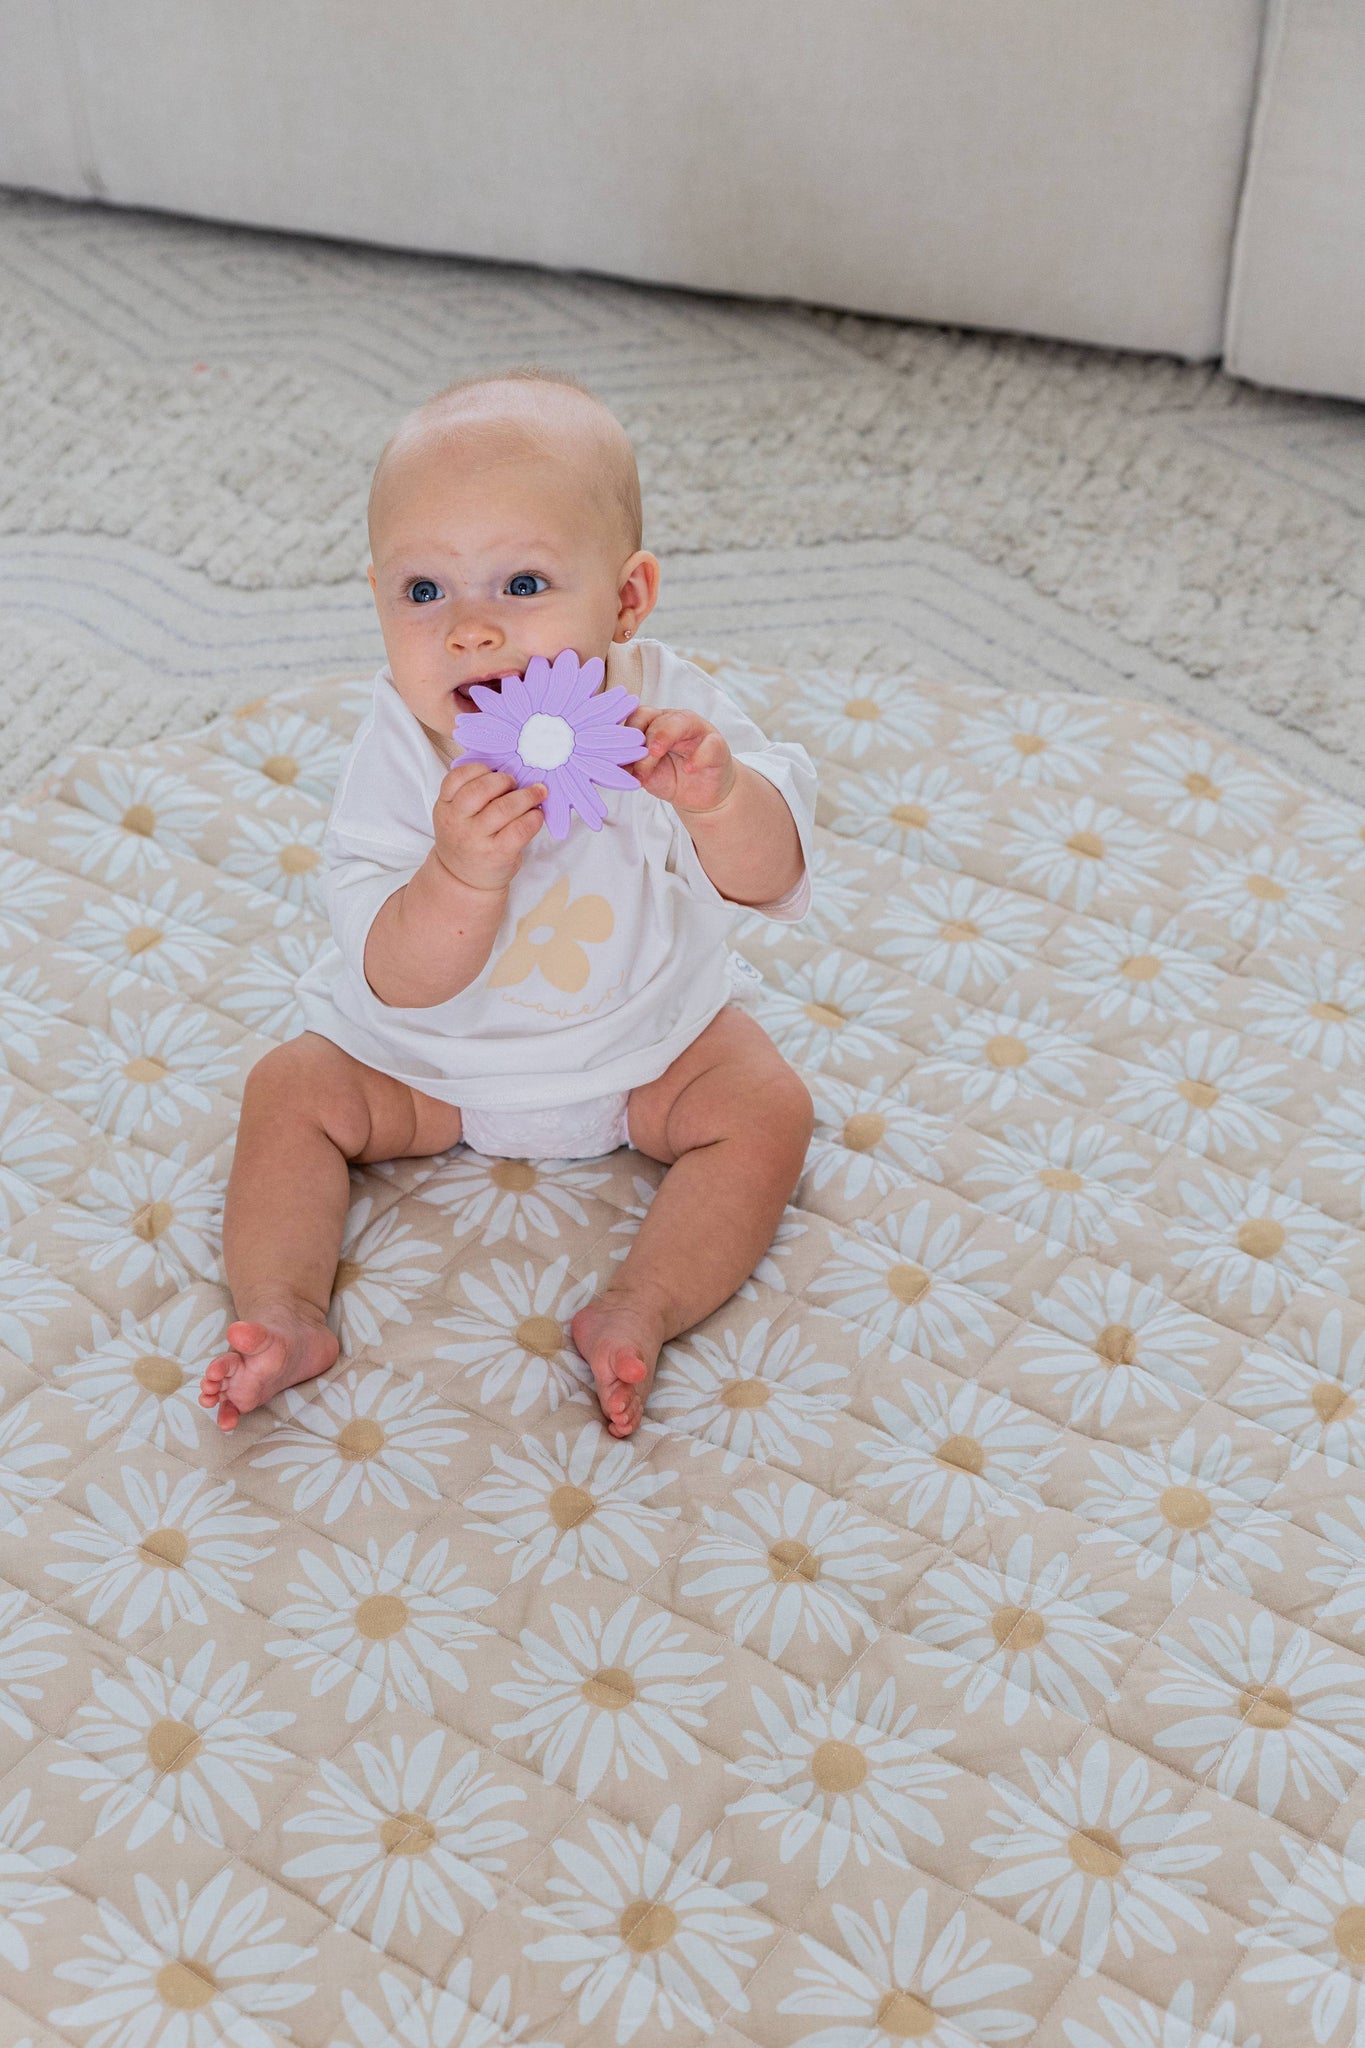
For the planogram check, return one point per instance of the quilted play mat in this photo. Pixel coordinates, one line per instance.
(971, 1646)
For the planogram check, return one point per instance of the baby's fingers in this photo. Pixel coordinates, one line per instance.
(516, 805)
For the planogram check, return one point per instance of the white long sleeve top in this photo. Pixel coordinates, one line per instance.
(612, 954)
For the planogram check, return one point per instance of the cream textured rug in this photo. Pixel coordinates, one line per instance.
(191, 413)
(969, 1647)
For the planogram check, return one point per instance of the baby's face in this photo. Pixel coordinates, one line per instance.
(478, 568)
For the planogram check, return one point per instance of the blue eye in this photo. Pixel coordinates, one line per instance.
(526, 576)
(423, 583)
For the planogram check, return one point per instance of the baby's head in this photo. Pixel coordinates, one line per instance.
(504, 522)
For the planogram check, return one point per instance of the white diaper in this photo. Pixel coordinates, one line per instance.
(576, 1130)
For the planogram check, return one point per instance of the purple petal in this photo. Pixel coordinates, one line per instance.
(613, 706)
(557, 688)
(582, 795)
(586, 683)
(611, 745)
(485, 696)
(556, 808)
(610, 777)
(518, 699)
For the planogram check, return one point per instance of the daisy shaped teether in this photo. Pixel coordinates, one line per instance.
(549, 726)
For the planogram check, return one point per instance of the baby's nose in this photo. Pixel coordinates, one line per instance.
(474, 633)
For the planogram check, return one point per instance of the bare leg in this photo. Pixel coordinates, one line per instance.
(308, 1110)
(732, 1122)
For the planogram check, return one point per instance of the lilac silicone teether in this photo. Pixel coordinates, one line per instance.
(549, 726)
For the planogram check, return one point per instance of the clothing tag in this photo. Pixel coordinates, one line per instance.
(746, 968)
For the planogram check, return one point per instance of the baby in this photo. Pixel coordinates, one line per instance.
(487, 983)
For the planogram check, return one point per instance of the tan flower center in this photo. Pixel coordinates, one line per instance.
(1348, 1932)
(1199, 785)
(864, 1132)
(185, 1986)
(1328, 1013)
(360, 1438)
(1202, 1094)
(281, 768)
(1185, 1507)
(541, 1335)
(905, 2017)
(907, 1283)
(1268, 890)
(1017, 1628)
(827, 1014)
(1260, 1237)
(380, 1616)
(1063, 1178)
(298, 860)
(1331, 1402)
(838, 1767)
(164, 1546)
(570, 1505)
(145, 1067)
(1006, 1050)
(791, 1559)
(347, 1273)
(959, 931)
(912, 815)
(152, 1222)
(745, 1394)
(862, 708)
(140, 939)
(1028, 742)
(172, 1744)
(1088, 845)
(610, 1687)
(139, 818)
(513, 1176)
(963, 1452)
(648, 1925)
(158, 1375)
(1096, 1851)
(1140, 967)
(1116, 1344)
(406, 1834)
(1269, 1706)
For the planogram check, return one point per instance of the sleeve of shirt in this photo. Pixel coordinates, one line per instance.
(786, 765)
(366, 860)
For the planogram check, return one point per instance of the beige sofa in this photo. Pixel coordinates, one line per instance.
(1185, 176)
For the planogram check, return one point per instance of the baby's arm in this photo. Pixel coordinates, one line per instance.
(432, 937)
(739, 821)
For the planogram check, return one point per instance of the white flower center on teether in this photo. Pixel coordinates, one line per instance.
(545, 741)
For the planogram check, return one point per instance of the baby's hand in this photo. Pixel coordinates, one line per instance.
(688, 764)
(484, 823)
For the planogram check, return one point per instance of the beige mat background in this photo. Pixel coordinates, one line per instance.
(192, 411)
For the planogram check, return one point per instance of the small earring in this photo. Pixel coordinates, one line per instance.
(629, 630)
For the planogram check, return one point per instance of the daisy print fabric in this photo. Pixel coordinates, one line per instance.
(970, 1646)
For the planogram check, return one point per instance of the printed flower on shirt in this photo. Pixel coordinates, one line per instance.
(551, 937)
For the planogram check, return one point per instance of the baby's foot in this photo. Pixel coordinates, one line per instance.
(278, 1351)
(621, 1339)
